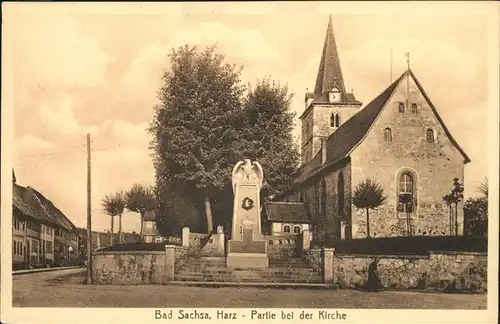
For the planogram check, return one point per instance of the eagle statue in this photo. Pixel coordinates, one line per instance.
(247, 172)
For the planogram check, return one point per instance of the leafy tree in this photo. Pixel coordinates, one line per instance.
(476, 216)
(483, 188)
(113, 206)
(476, 212)
(267, 135)
(452, 200)
(140, 199)
(368, 194)
(192, 135)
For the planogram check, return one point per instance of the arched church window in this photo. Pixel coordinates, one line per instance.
(332, 120)
(388, 134)
(323, 199)
(406, 192)
(287, 229)
(337, 120)
(414, 108)
(340, 194)
(429, 136)
(401, 107)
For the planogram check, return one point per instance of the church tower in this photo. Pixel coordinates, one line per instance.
(330, 105)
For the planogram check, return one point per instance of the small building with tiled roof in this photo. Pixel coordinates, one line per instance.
(398, 140)
(285, 218)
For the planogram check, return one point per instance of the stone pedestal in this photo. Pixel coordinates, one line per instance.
(247, 253)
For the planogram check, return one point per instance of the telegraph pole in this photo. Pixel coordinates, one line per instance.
(89, 217)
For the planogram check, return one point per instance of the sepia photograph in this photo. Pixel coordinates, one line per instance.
(249, 161)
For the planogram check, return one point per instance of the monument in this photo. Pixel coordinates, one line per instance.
(247, 247)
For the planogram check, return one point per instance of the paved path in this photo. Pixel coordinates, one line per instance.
(42, 290)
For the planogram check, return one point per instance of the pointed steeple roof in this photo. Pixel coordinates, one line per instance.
(329, 72)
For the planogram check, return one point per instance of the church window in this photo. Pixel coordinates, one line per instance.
(301, 197)
(337, 120)
(340, 194)
(401, 107)
(414, 108)
(406, 193)
(287, 229)
(332, 120)
(296, 229)
(429, 135)
(323, 200)
(388, 135)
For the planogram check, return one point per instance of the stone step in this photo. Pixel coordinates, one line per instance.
(224, 270)
(279, 285)
(249, 279)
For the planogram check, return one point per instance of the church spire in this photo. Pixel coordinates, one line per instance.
(329, 72)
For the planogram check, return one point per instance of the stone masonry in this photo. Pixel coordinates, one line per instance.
(432, 165)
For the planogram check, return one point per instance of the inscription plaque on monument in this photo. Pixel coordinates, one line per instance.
(247, 247)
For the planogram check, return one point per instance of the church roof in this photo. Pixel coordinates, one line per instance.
(347, 137)
(329, 72)
(291, 212)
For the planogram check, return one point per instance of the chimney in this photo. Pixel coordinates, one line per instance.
(323, 151)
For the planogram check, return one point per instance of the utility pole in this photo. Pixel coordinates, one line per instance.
(89, 217)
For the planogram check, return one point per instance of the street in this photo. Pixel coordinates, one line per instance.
(65, 289)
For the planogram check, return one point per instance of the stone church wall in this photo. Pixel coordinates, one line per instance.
(433, 166)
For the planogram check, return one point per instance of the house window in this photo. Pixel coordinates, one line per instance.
(296, 229)
(388, 135)
(429, 135)
(286, 229)
(401, 107)
(406, 193)
(414, 108)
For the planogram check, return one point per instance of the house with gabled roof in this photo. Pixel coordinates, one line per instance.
(41, 234)
(398, 140)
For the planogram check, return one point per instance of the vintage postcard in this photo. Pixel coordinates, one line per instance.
(250, 162)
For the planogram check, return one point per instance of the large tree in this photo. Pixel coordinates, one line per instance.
(192, 140)
(206, 122)
(267, 135)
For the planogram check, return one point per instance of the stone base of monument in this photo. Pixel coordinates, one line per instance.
(247, 260)
(247, 253)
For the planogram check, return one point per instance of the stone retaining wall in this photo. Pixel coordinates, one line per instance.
(280, 247)
(315, 258)
(442, 271)
(132, 267)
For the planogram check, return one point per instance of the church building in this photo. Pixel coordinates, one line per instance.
(398, 140)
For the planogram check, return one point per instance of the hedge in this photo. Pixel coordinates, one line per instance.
(415, 245)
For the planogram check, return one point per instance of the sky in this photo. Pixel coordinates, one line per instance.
(95, 69)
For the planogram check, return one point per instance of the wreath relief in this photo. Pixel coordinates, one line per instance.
(247, 204)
